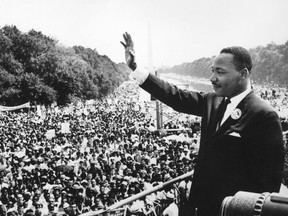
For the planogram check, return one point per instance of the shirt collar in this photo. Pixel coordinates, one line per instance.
(238, 98)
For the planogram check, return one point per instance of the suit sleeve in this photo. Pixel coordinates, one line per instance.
(180, 100)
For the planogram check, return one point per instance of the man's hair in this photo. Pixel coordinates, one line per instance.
(241, 57)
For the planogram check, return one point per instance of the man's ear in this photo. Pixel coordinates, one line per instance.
(245, 73)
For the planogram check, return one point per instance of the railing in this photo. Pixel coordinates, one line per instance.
(115, 210)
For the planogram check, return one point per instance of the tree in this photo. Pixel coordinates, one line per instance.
(33, 89)
(105, 74)
(33, 67)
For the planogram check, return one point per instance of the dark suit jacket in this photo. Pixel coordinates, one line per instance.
(226, 164)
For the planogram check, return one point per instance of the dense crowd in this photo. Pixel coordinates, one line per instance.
(109, 151)
(67, 161)
(277, 98)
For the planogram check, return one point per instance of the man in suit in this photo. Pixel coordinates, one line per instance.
(241, 151)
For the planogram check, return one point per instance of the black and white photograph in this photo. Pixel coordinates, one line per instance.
(143, 108)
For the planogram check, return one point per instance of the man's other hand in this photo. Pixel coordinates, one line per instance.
(129, 51)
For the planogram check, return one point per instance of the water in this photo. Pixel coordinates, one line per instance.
(188, 82)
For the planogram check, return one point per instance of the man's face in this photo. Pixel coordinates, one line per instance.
(226, 80)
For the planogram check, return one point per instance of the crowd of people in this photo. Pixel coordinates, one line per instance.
(277, 97)
(84, 158)
(68, 161)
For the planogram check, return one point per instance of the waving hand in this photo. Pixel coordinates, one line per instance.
(129, 51)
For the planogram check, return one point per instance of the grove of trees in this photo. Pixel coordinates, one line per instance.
(35, 68)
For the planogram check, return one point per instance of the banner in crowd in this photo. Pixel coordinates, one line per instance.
(10, 108)
(50, 134)
(38, 110)
(89, 102)
(65, 127)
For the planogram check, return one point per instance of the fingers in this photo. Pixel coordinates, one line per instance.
(125, 36)
(125, 39)
(123, 44)
(128, 40)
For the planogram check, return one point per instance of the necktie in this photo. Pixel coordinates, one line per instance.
(222, 109)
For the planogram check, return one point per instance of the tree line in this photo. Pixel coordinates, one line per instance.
(270, 65)
(35, 68)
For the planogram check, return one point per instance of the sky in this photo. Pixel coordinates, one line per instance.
(165, 32)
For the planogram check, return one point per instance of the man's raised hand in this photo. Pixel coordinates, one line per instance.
(129, 51)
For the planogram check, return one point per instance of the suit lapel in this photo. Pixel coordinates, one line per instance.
(213, 121)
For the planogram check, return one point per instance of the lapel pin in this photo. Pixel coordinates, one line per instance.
(236, 114)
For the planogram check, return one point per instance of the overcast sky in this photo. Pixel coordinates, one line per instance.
(180, 30)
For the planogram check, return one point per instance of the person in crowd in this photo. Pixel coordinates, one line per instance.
(241, 147)
(172, 208)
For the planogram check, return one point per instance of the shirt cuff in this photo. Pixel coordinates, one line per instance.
(139, 75)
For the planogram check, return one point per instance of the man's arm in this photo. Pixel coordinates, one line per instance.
(179, 100)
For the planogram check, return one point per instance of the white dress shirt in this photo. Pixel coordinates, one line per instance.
(234, 103)
(139, 75)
